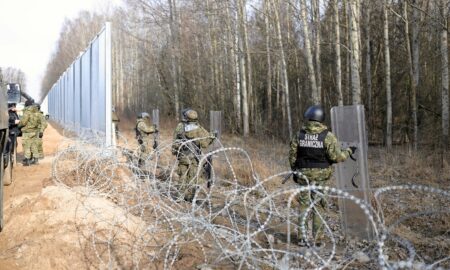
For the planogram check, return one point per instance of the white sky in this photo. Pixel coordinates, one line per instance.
(29, 31)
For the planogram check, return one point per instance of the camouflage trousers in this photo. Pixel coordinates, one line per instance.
(306, 198)
(40, 147)
(30, 147)
(144, 151)
(187, 172)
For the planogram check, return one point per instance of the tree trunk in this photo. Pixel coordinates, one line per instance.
(269, 62)
(348, 78)
(411, 76)
(308, 53)
(317, 39)
(242, 68)
(248, 68)
(355, 60)
(368, 60)
(444, 75)
(173, 55)
(416, 72)
(337, 48)
(236, 93)
(387, 78)
(283, 68)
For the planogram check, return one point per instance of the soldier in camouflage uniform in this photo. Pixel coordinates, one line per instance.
(39, 140)
(312, 152)
(30, 125)
(188, 152)
(143, 131)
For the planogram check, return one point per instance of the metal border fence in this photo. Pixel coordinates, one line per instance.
(81, 99)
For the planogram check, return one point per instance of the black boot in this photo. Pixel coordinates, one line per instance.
(34, 161)
(26, 162)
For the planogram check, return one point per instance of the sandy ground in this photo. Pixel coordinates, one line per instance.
(43, 221)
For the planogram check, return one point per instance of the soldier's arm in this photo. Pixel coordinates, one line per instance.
(293, 147)
(44, 123)
(207, 137)
(176, 136)
(143, 127)
(334, 151)
(25, 119)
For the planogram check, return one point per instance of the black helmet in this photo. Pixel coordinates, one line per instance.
(315, 113)
(29, 103)
(183, 114)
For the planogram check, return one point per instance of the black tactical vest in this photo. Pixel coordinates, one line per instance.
(311, 150)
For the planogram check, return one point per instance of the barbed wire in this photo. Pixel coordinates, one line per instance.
(237, 222)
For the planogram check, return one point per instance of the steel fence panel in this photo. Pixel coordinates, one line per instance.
(82, 98)
(77, 98)
(101, 94)
(86, 90)
(96, 101)
(69, 97)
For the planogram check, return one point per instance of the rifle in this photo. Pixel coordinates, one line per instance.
(155, 119)
(207, 166)
(286, 178)
(156, 138)
(295, 174)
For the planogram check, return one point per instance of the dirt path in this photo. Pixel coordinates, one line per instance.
(32, 238)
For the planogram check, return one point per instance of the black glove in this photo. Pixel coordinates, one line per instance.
(353, 149)
(140, 141)
(41, 134)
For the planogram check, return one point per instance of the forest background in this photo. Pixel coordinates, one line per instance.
(263, 62)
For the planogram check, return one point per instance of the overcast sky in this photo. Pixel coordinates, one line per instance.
(29, 30)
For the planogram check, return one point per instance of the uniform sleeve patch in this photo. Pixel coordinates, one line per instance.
(190, 127)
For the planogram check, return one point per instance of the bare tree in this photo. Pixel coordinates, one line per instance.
(337, 47)
(368, 56)
(285, 79)
(315, 5)
(243, 66)
(444, 5)
(267, 10)
(355, 59)
(308, 53)
(387, 60)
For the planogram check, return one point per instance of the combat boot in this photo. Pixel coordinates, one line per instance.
(34, 161)
(26, 162)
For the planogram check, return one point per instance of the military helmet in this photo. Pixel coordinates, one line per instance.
(144, 115)
(29, 103)
(191, 115)
(183, 114)
(315, 113)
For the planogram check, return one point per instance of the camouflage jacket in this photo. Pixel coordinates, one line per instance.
(333, 150)
(44, 123)
(145, 129)
(31, 120)
(190, 131)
